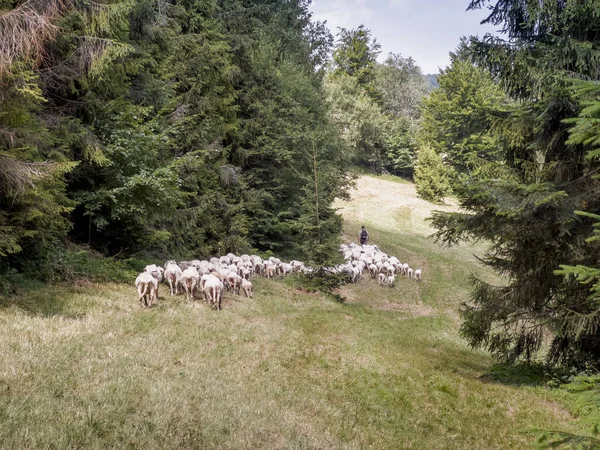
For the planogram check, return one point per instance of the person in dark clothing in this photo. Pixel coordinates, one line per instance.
(363, 235)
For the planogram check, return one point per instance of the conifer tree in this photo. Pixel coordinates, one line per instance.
(525, 205)
(431, 176)
(356, 56)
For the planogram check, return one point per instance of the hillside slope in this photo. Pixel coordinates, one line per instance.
(85, 366)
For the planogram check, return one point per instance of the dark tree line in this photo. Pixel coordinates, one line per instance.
(164, 127)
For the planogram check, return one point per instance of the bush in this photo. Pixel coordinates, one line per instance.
(322, 280)
(54, 262)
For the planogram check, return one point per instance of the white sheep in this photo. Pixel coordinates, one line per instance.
(247, 288)
(391, 280)
(190, 279)
(234, 281)
(213, 291)
(373, 270)
(156, 272)
(418, 274)
(146, 286)
(173, 275)
(405, 268)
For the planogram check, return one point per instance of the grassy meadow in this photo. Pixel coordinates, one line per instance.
(84, 366)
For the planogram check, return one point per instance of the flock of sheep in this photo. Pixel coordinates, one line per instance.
(212, 277)
(361, 258)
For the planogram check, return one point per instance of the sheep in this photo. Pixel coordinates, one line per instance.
(405, 268)
(382, 279)
(169, 262)
(409, 273)
(213, 291)
(189, 279)
(246, 273)
(391, 280)
(418, 274)
(355, 274)
(297, 265)
(146, 286)
(234, 280)
(387, 269)
(285, 269)
(203, 279)
(259, 268)
(247, 288)
(173, 275)
(361, 267)
(156, 272)
(271, 271)
(373, 270)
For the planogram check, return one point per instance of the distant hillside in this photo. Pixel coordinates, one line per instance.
(432, 81)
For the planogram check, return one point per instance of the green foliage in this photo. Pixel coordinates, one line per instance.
(431, 176)
(323, 280)
(319, 223)
(382, 138)
(401, 143)
(356, 56)
(525, 203)
(401, 85)
(359, 120)
(583, 393)
(32, 191)
(458, 117)
(186, 129)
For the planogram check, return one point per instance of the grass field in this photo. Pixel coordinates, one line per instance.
(86, 367)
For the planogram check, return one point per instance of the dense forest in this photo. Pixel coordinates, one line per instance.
(184, 128)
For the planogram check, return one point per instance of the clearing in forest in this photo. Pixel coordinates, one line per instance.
(86, 367)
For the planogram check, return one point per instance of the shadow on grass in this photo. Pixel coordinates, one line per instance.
(521, 374)
(45, 300)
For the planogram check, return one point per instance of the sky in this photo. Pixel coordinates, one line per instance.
(424, 29)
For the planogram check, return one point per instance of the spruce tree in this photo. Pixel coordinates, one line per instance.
(356, 56)
(525, 205)
(431, 176)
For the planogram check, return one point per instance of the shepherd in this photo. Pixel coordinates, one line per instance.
(363, 235)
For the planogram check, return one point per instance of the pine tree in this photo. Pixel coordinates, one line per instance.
(356, 56)
(525, 205)
(431, 176)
